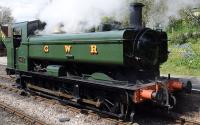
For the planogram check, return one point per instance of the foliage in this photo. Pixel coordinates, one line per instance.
(5, 15)
(189, 17)
(183, 59)
(179, 39)
(185, 29)
(184, 35)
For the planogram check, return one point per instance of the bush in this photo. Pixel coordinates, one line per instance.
(187, 55)
(182, 38)
(179, 39)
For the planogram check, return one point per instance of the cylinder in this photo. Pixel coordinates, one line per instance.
(135, 20)
(147, 94)
(175, 85)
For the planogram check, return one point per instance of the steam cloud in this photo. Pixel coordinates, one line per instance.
(77, 15)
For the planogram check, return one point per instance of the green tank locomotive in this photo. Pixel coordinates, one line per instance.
(109, 71)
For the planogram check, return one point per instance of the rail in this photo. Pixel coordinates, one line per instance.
(177, 118)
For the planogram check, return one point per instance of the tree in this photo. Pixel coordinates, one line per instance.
(5, 15)
(190, 18)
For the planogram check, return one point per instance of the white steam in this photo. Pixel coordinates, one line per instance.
(78, 15)
(75, 15)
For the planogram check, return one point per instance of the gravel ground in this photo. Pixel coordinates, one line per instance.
(47, 112)
(6, 118)
(3, 74)
(2, 69)
(9, 119)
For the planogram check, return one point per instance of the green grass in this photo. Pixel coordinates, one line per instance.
(183, 60)
(184, 57)
(172, 68)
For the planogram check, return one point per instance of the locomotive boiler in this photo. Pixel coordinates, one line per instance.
(109, 71)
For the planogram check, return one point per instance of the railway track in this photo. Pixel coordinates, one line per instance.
(15, 111)
(173, 116)
(20, 114)
(37, 98)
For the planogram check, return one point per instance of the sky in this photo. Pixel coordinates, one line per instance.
(24, 9)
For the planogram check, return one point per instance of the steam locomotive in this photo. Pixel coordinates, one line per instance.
(109, 72)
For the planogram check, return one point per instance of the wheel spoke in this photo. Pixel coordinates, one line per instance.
(109, 102)
(107, 107)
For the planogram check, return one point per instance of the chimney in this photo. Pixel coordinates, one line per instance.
(136, 15)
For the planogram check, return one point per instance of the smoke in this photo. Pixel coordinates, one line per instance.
(78, 15)
(74, 15)
(170, 8)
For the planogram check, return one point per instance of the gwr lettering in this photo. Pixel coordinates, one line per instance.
(68, 48)
(46, 48)
(93, 49)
